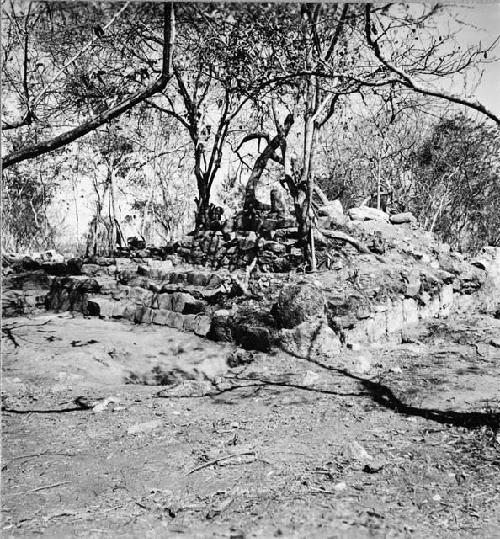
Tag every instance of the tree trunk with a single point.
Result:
(113, 229)
(306, 236)
(202, 204)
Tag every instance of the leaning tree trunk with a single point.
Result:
(276, 143)
(258, 169)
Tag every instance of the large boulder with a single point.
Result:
(299, 303)
(365, 213)
(332, 213)
(488, 261)
(401, 218)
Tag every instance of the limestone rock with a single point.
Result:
(101, 306)
(143, 315)
(310, 339)
(401, 218)
(202, 325)
(365, 213)
(160, 317)
(412, 287)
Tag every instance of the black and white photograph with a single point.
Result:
(250, 270)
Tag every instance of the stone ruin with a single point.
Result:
(384, 276)
(261, 232)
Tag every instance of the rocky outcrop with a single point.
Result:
(300, 302)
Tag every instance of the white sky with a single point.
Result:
(484, 21)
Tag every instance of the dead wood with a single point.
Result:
(220, 459)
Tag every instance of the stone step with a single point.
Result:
(105, 307)
(19, 302)
(150, 276)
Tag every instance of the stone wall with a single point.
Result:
(215, 249)
(366, 300)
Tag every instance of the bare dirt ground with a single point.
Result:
(276, 447)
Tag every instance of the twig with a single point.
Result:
(220, 459)
(42, 488)
(43, 453)
(29, 455)
(48, 486)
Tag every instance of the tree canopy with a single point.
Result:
(281, 82)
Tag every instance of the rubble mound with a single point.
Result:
(377, 281)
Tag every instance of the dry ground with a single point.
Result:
(285, 431)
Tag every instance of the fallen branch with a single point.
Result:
(10, 336)
(220, 459)
(333, 492)
(338, 235)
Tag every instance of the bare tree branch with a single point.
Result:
(159, 85)
(253, 136)
(338, 30)
(407, 81)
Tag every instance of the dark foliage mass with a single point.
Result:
(457, 188)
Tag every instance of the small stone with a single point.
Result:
(202, 326)
(373, 466)
(358, 452)
(341, 486)
(143, 428)
(311, 378)
(100, 406)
